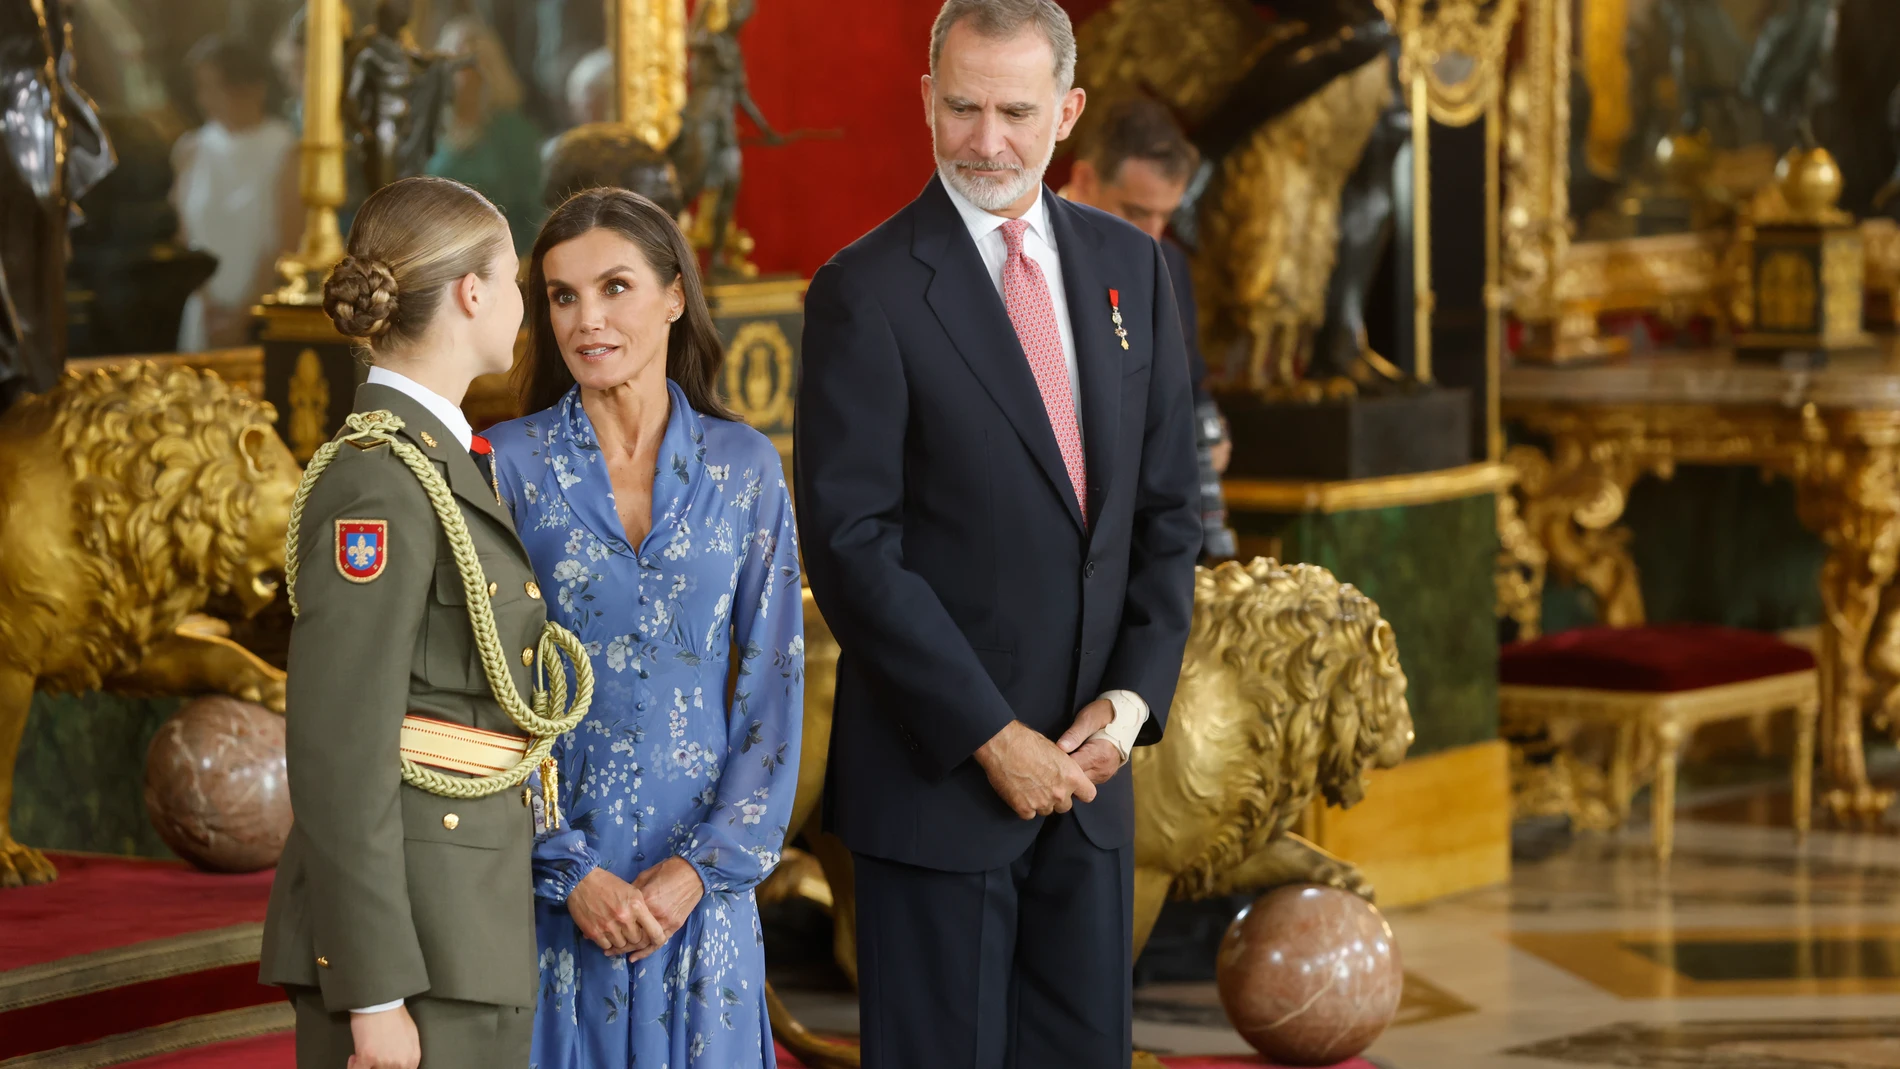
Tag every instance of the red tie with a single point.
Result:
(1026, 295)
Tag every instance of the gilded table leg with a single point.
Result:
(1850, 494)
(1804, 717)
(1622, 762)
(1571, 501)
(1663, 794)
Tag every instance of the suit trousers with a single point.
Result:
(1028, 966)
(454, 1034)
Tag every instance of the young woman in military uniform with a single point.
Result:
(425, 681)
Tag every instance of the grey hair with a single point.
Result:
(1003, 19)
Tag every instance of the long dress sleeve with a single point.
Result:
(739, 842)
(562, 856)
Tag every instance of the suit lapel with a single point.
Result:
(1098, 359)
(465, 479)
(972, 314)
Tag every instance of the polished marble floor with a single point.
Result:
(1750, 951)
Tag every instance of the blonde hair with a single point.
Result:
(409, 240)
(466, 35)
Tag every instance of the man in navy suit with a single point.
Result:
(997, 504)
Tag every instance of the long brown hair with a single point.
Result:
(693, 349)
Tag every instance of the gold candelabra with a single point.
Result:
(320, 178)
(649, 47)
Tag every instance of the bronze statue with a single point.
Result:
(113, 546)
(394, 101)
(610, 154)
(706, 152)
(1368, 206)
(1291, 691)
(55, 151)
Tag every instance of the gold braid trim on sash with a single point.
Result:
(375, 428)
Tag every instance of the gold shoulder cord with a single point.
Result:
(377, 428)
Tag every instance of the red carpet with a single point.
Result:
(153, 965)
(274, 1052)
(123, 958)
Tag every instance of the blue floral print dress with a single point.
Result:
(662, 765)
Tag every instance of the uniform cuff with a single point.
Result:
(383, 1008)
(1131, 712)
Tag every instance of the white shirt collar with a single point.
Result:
(439, 406)
(982, 224)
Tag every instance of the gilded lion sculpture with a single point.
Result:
(129, 498)
(1290, 690)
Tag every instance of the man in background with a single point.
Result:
(1137, 166)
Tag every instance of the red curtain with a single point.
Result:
(848, 71)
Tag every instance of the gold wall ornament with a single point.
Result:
(309, 406)
(1455, 48)
(1786, 292)
(320, 156)
(1291, 692)
(136, 495)
(758, 374)
(648, 38)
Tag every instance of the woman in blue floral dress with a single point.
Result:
(661, 532)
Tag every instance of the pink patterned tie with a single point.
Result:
(1026, 295)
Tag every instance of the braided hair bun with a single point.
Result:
(360, 298)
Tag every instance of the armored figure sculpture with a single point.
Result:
(1789, 71)
(55, 150)
(1706, 59)
(707, 151)
(394, 99)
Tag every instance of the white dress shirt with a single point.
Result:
(451, 416)
(1039, 244)
(439, 406)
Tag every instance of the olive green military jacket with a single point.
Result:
(385, 891)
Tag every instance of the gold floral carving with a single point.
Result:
(1845, 465)
(309, 406)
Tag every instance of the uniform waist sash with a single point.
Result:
(453, 747)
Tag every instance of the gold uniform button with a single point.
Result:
(527, 657)
(534, 592)
(451, 821)
(527, 793)
(493, 589)
(323, 962)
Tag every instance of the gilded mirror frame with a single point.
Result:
(1558, 288)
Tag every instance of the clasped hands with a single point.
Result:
(1036, 777)
(635, 919)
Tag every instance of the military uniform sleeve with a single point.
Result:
(351, 654)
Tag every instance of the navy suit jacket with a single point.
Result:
(942, 539)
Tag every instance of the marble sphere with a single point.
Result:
(1309, 975)
(215, 786)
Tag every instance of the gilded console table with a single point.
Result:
(1835, 432)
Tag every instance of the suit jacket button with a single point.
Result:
(323, 962)
(527, 658)
(451, 821)
(1088, 570)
